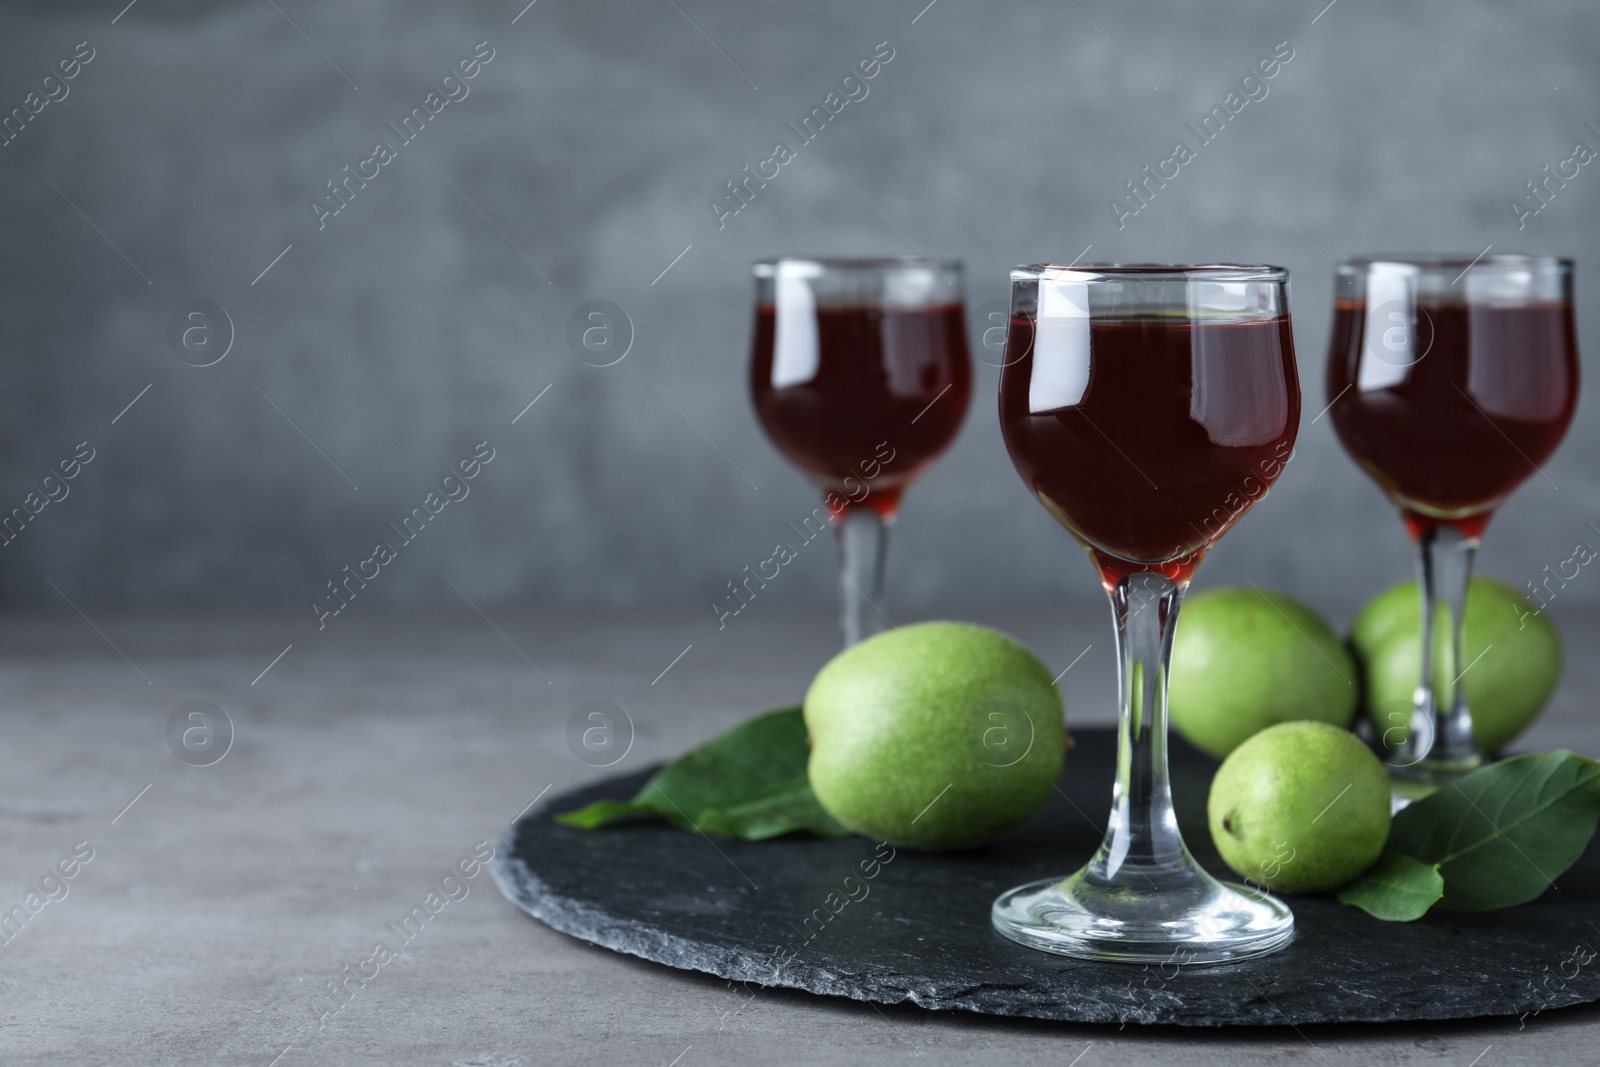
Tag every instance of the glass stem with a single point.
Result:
(863, 543)
(1441, 725)
(1142, 835)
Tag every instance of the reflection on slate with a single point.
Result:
(851, 918)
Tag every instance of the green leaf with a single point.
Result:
(780, 813)
(1397, 888)
(601, 812)
(748, 783)
(1502, 834)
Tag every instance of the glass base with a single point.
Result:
(1416, 780)
(1183, 917)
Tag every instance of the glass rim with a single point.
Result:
(1207, 272)
(1451, 261)
(813, 266)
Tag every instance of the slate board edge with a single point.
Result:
(587, 923)
(578, 919)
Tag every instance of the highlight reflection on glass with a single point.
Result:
(860, 375)
(1147, 408)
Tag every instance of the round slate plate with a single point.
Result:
(852, 918)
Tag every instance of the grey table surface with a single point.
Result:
(375, 755)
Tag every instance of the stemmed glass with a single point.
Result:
(860, 374)
(1450, 380)
(1147, 408)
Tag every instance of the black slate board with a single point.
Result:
(919, 930)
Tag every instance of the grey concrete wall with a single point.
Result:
(424, 316)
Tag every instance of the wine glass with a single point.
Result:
(1451, 379)
(860, 375)
(1147, 408)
